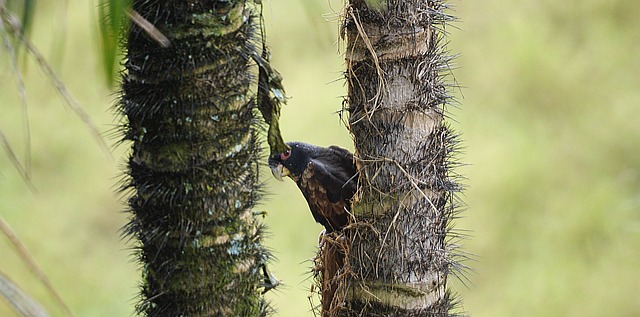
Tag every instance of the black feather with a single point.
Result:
(326, 178)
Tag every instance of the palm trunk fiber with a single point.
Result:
(194, 161)
(398, 250)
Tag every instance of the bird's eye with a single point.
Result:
(285, 155)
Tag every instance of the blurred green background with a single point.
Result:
(548, 112)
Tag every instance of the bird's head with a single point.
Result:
(292, 162)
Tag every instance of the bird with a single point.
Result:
(326, 176)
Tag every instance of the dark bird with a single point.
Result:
(326, 177)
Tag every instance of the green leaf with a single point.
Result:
(112, 23)
(20, 13)
(28, 8)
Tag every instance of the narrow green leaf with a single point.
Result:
(28, 8)
(112, 23)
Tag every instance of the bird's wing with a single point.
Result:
(328, 183)
(320, 190)
(339, 167)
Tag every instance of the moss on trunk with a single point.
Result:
(194, 161)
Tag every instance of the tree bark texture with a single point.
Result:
(400, 253)
(194, 162)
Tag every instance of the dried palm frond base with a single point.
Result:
(331, 272)
(344, 293)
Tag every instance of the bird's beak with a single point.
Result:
(279, 171)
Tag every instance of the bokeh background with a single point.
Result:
(549, 114)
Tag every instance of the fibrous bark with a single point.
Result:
(194, 162)
(399, 250)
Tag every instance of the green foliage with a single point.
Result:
(25, 10)
(270, 98)
(113, 22)
(550, 122)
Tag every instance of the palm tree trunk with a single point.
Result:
(398, 258)
(194, 161)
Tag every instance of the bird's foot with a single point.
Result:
(321, 240)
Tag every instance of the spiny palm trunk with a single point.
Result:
(398, 259)
(194, 160)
